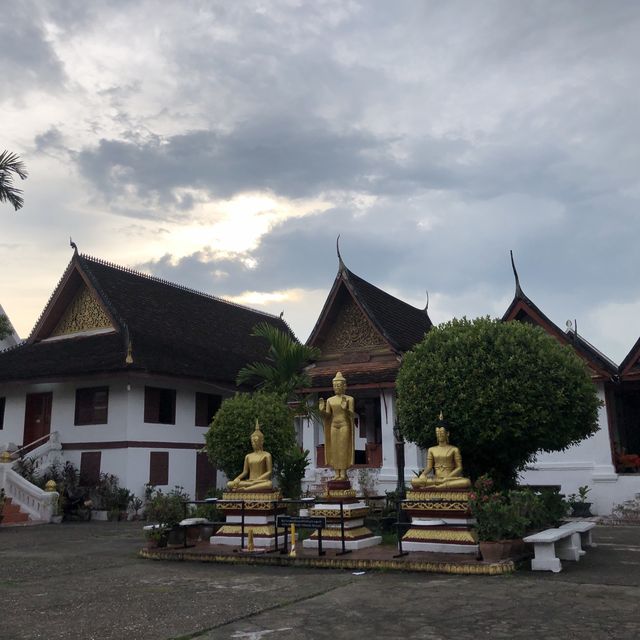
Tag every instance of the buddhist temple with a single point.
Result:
(362, 331)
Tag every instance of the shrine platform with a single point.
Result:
(380, 557)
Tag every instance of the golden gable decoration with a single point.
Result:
(351, 330)
(84, 313)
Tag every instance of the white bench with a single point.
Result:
(583, 527)
(546, 544)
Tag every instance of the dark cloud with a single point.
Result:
(442, 134)
(28, 59)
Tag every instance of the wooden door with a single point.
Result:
(37, 416)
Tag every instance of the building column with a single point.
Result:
(388, 472)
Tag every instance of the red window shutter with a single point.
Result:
(206, 475)
(90, 467)
(151, 404)
(159, 468)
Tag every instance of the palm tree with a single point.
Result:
(10, 163)
(282, 373)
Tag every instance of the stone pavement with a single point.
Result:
(85, 581)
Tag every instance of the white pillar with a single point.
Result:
(388, 472)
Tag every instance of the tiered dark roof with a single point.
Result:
(630, 366)
(168, 329)
(524, 310)
(401, 325)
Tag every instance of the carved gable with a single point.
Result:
(351, 331)
(84, 313)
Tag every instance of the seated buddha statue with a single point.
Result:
(256, 473)
(444, 465)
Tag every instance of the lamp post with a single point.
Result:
(399, 441)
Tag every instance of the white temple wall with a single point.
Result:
(586, 463)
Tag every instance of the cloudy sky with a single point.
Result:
(225, 145)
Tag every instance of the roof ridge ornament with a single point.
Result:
(341, 265)
(73, 245)
(519, 292)
(426, 306)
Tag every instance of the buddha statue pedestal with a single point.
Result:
(442, 525)
(259, 517)
(356, 535)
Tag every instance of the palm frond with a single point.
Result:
(285, 359)
(10, 164)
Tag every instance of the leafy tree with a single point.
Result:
(5, 328)
(228, 438)
(282, 373)
(508, 390)
(11, 164)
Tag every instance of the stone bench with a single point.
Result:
(553, 545)
(582, 527)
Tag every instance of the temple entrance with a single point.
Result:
(627, 418)
(37, 416)
(368, 450)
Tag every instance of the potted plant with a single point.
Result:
(499, 520)
(580, 508)
(156, 535)
(166, 509)
(135, 503)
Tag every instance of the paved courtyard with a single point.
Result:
(84, 580)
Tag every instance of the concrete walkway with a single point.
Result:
(85, 581)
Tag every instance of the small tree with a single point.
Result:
(508, 390)
(228, 438)
(5, 327)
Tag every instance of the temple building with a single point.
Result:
(363, 332)
(123, 372)
(595, 462)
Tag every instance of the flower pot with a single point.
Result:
(495, 551)
(581, 510)
(206, 531)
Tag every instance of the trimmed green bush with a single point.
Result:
(228, 438)
(508, 390)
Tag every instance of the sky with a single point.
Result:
(225, 145)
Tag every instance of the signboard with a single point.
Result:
(308, 522)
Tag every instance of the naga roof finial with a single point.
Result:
(73, 245)
(341, 265)
(515, 274)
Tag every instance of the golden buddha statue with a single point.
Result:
(257, 466)
(338, 418)
(445, 462)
